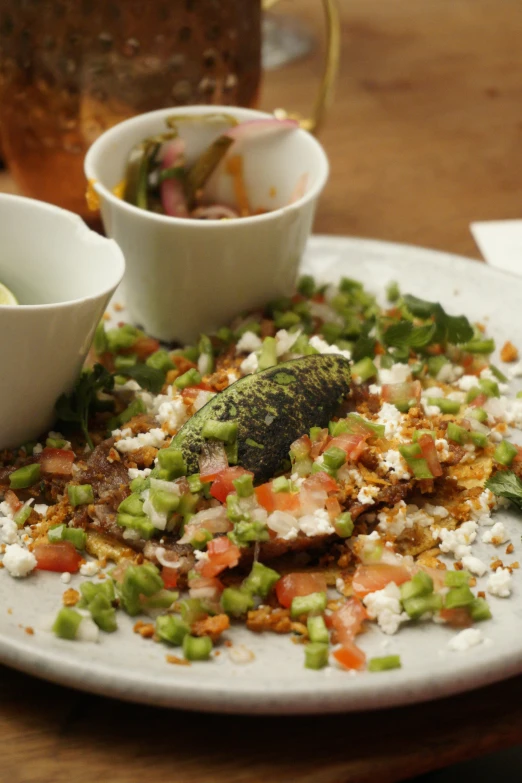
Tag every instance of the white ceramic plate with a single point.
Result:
(126, 666)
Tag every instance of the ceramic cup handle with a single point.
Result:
(330, 70)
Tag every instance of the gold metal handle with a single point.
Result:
(331, 67)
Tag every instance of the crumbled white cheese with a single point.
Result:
(41, 508)
(443, 451)
(392, 418)
(481, 507)
(449, 373)
(322, 346)
(18, 561)
(397, 373)
(367, 494)
(87, 631)
(250, 364)
(8, 531)
(317, 524)
(499, 583)
(467, 382)
(474, 565)
(248, 342)
(496, 535)
(135, 473)
(204, 364)
(202, 397)
(172, 412)
(154, 437)
(65, 577)
(394, 462)
(285, 340)
(394, 520)
(385, 607)
(436, 511)
(457, 542)
(284, 524)
(373, 388)
(467, 638)
(515, 371)
(200, 555)
(37, 449)
(90, 568)
(240, 654)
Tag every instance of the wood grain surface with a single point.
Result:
(425, 135)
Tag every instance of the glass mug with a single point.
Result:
(70, 69)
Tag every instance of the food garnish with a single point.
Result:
(314, 467)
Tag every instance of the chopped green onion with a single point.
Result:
(201, 538)
(268, 354)
(100, 343)
(122, 363)
(206, 352)
(334, 458)
(505, 453)
(62, 532)
(140, 523)
(261, 580)
(478, 439)
(498, 374)
(457, 578)
(246, 532)
(163, 599)
(244, 485)
(23, 515)
(197, 648)
(220, 430)
(356, 422)
(444, 405)
(416, 607)
(25, 477)
(80, 494)
(163, 501)
(456, 433)
(316, 655)
(344, 525)
(314, 603)
(306, 286)
(421, 584)
(171, 460)
(479, 610)
(479, 414)
(192, 610)
(67, 622)
(136, 407)
(171, 629)
(90, 590)
(479, 346)
(286, 320)
(489, 388)
(103, 613)
(317, 630)
(435, 365)
(189, 378)
(55, 443)
(160, 360)
(385, 663)
(281, 484)
(132, 504)
(363, 370)
(412, 453)
(393, 291)
(236, 601)
(137, 581)
(458, 596)
(419, 433)
(122, 337)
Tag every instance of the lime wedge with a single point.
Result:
(6, 297)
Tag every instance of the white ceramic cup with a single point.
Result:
(63, 275)
(186, 276)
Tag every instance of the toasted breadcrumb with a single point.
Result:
(177, 661)
(71, 597)
(508, 352)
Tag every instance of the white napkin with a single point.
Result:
(500, 242)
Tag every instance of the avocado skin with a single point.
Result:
(298, 394)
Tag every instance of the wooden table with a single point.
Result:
(425, 135)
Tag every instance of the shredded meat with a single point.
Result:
(211, 626)
(267, 619)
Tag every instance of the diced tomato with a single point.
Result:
(457, 618)
(318, 298)
(61, 557)
(429, 452)
(170, 577)
(321, 480)
(222, 554)
(369, 578)
(277, 501)
(320, 442)
(349, 656)
(347, 620)
(517, 457)
(408, 392)
(334, 508)
(479, 401)
(353, 444)
(190, 393)
(144, 347)
(300, 448)
(222, 484)
(293, 585)
(213, 460)
(12, 501)
(58, 462)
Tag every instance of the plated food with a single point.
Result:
(228, 493)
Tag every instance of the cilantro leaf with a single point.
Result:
(74, 408)
(404, 335)
(506, 484)
(364, 346)
(150, 378)
(455, 329)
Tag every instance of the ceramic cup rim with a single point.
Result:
(111, 135)
(84, 235)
